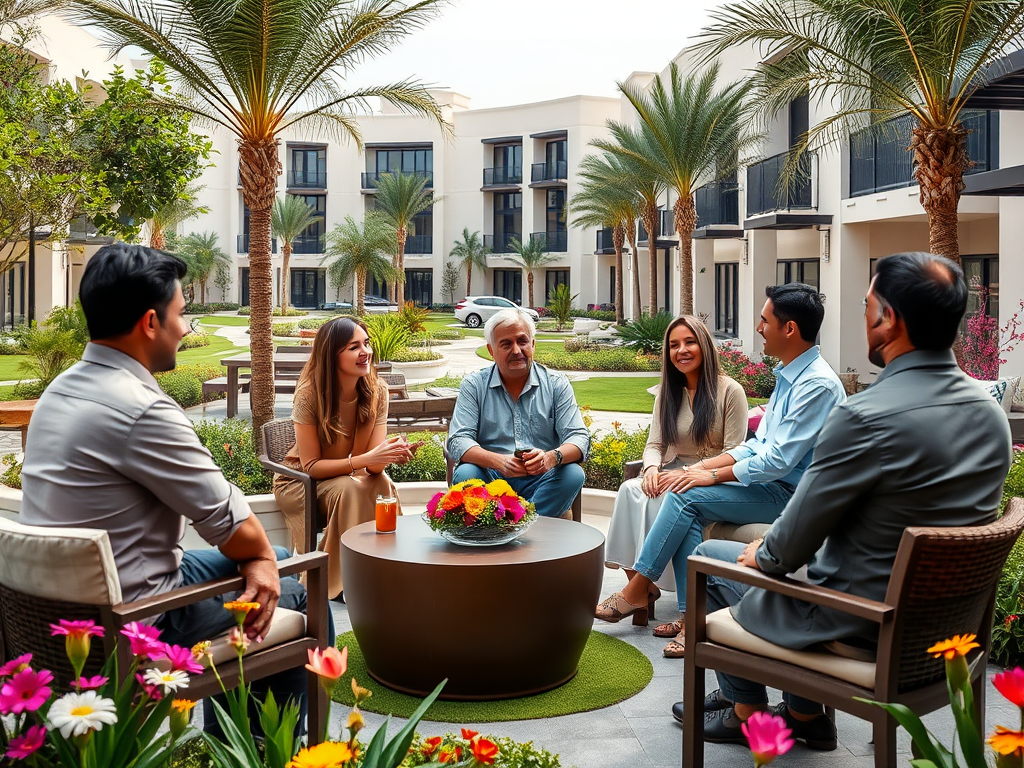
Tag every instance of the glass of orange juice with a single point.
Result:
(386, 514)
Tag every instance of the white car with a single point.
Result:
(474, 311)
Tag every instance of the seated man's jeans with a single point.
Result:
(208, 618)
(679, 527)
(552, 493)
(723, 593)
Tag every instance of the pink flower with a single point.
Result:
(26, 691)
(1011, 684)
(433, 503)
(77, 629)
(153, 691)
(144, 639)
(329, 665)
(513, 507)
(16, 665)
(90, 683)
(22, 746)
(181, 659)
(768, 737)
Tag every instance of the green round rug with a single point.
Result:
(610, 671)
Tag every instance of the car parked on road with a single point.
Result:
(474, 311)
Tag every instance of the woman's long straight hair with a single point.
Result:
(673, 386)
(321, 373)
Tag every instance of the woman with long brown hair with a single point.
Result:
(698, 413)
(340, 413)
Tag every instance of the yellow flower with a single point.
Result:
(1006, 742)
(241, 609)
(181, 713)
(361, 694)
(182, 705)
(471, 483)
(475, 506)
(959, 645)
(500, 487)
(330, 754)
(201, 651)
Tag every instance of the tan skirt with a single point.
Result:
(345, 501)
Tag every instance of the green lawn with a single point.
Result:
(218, 321)
(482, 351)
(613, 393)
(218, 349)
(9, 367)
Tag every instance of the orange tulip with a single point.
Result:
(468, 735)
(484, 750)
(329, 665)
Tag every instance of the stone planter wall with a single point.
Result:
(424, 371)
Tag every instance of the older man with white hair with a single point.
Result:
(519, 421)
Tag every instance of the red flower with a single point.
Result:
(430, 746)
(1011, 618)
(484, 750)
(452, 755)
(469, 519)
(1011, 684)
(468, 735)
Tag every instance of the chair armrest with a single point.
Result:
(281, 469)
(861, 607)
(631, 469)
(182, 596)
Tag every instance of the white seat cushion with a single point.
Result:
(725, 630)
(286, 625)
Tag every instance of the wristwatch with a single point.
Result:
(714, 475)
(558, 457)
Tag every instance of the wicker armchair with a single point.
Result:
(47, 574)
(943, 583)
(278, 439)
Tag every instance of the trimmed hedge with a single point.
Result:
(613, 359)
(292, 312)
(185, 383)
(230, 442)
(205, 309)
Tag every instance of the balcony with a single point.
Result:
(307, 179)
(503, 176)
(718, 203)
(666, 232)
(308, 244)
(880, 160)
(242, 244)
(419, 244)
(765, 193)
(500, 243)
(551, 242)
(370, 178)
(549, 174)
(605, 241)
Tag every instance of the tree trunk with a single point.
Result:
(685, 213)
(940, 157)
(158, 239)
(360, 291)
(618, 240)
(202, 292)
(650, 221)
(529, 283)
(469, 278)
(259, 168)
(403, 234)
(635, 261)
(286, 251)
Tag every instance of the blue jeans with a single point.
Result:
(552, 493)
(207, 619)
(679, 527)
(723, 593)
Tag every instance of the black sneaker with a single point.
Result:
(819, 733)
(723, 727)
(713, 702)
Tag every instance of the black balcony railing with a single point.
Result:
(307, 244)
(605, 240)
(768, 189)
(502, 175)
(369, 178)
(718, 203)
(666, 224)
(557, 171)
(552, 242)
(307, 179)
(243, 244)
(880, 158)
(500, 243)
(419, 244)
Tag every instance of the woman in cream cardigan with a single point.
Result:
(698, 412)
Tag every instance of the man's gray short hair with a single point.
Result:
(508, 317)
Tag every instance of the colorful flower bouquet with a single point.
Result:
(477, 514)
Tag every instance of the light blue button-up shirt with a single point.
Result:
(545, 416)
(806, 390)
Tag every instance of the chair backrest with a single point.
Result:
(278, 438)
(392, 379)
(291, 348)
(943, 583)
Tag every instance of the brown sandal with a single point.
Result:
(616, 608)
(669, 629)
(676, 649)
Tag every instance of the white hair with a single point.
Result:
(508, 317)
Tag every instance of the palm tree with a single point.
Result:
(355, 251)
(290, 217)
(399, 198)
(171, 214)
(606, 199)
(875, 60)
(690, 134)
(531, 255)
(257, 68)
(202, 254)
(471, 252)
(18, 12)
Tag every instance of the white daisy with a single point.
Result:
(169, 681)
(75, 714)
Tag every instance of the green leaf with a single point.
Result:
(927, 744)
(395, 752)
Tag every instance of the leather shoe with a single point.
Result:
(713, 702)
(723, 727)
(819, 733)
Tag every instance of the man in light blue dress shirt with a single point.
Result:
(752, 482)
(518, 421)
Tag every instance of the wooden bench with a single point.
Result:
(16, 414)
(431, 414)
(220, 384)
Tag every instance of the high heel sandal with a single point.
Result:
(616, 608)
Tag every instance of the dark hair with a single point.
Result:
(928, 292)
(321, 373)
(122, 282)
(800, 303)
(673, 383)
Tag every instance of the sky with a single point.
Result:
(519, 51)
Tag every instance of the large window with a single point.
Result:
(419, 287)
(982, 272)
(508, 220)
(308, 167)
(309, 241)
(555, 152)
(509, 157)
(509, 283)
(406, 161)
(421, 234)
(12, 296)
(727, 297)
(555, 221)
(802, 271)
(552, 279)
(309, 287)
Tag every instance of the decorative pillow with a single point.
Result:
(1003, 390)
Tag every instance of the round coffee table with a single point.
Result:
(498, 622)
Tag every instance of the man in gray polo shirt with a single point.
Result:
(107, 449)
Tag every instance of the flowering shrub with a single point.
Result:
(981, 347)
(603, 467)
(484, 750)
(474, 504)
(756, 379)
(1007, 624)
